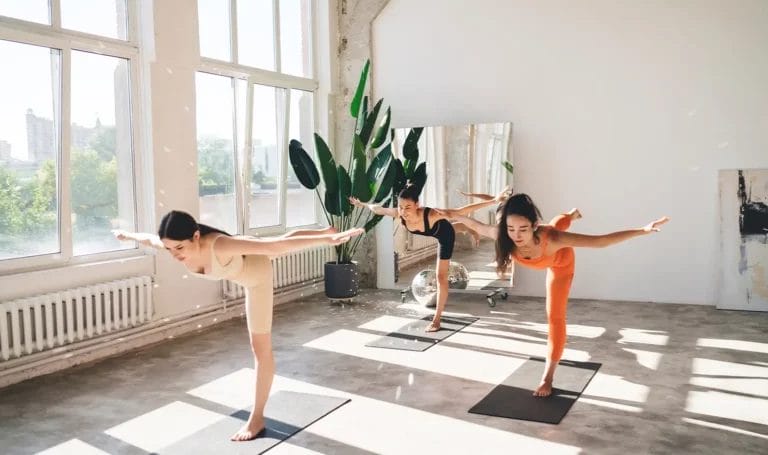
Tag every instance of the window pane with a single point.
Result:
(265, 159)
(300, 204)
(28, 10)
(256, 33)
(99, 17)
(295, 37)
(29, 150)
(216, 151)
(213, 17)
(101, 153)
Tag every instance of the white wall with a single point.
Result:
(625, 109)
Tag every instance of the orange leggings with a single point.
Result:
(559, 279)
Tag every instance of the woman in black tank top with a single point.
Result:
(429, 222)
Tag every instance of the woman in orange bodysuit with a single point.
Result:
(521, 238)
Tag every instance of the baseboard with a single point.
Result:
(110, 345)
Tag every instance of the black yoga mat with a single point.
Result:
(514, 398)
(412, 337)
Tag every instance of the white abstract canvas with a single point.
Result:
(744, 239)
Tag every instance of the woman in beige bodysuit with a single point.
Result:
(211, 253)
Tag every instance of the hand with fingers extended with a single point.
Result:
(345, 236)
(356, 202)
(122, 235)
(504, 194)
(654, 225)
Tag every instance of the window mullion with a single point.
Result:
(55, 10)
(278, 47)
(245, 188)
(240, 162)
(64, 170)
(284, 120)
(233, 51)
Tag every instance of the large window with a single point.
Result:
(255, 92)
(66, 130)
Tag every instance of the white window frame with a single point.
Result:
(278, 80)
(55, 37)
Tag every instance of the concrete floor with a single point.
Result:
(675, 379)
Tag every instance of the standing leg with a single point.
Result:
(442, 293)
(261, 345)
(558, 288)
(258, 310)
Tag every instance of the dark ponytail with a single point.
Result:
(178, 225)
(410, 192)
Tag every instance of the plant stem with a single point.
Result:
(325, 212)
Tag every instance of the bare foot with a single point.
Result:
(251, 430)
(543, 390)
(574, 214)
(433, 327)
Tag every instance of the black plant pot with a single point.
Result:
(341, 280)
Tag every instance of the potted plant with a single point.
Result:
(377, 181)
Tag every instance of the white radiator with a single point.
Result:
(299, 267)
(34, 324)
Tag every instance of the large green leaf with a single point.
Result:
(302, 165)
(370, 122)
(399, 183)
(379, 163)
(420, 176)
(409, 167)
(372, 222)
(385, 187)
(327, 164)
(332, 202)
(345, 191)
(360, 188)
(411, 145)
(354, 106)
(381, 133)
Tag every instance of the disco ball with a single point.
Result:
(424, 284)
(424, 288)
(458, 276)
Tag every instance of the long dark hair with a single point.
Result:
(178, 225)
(522, 205)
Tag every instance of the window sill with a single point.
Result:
(41, 281)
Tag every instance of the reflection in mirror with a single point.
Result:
(474, 159)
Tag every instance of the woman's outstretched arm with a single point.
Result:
(469, 208)
(564, 239)
(276, 246)
(486, 230)
(144, 238)
(377, 209)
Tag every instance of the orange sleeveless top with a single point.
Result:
(563, 258)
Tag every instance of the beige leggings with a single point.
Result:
(256, 278)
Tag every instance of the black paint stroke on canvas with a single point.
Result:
(753, 215)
